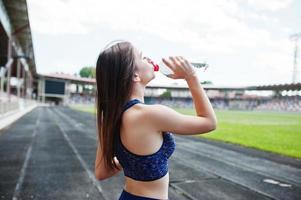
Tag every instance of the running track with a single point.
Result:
(49, 154)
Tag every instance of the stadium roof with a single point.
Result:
(175, 86)
(16, 23)
(290, 86)
(69, 77)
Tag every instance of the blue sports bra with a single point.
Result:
(145, 167)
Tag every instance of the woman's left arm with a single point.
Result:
(101, 173)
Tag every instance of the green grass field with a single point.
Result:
(270, 131)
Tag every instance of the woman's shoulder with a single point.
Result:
(140, 113)
(146, 113)
(136, 114)
(144, 109)
(155, 109)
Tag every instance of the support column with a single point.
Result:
(28, 88)
(9, 56)
(2, 80)
(31, 86)
(24, 83)
(18, 77)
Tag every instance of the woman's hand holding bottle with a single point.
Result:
(181, 68)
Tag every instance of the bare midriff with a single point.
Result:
(157, 189)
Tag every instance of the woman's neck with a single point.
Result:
(138, 92)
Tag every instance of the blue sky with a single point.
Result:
(245, 42)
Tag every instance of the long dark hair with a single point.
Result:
(115, 69)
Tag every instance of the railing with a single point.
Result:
(14, 104)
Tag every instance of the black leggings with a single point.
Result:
(128, 196)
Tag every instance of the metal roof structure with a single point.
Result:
(279, 87)
(15, 21)
(288, 86)
(69, 77)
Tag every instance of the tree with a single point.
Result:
(87, 72)
(166, 94)
(207, 82)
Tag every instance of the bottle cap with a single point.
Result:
(156, 67)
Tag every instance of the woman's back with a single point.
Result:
(143, 153)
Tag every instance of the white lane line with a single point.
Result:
(227, 161)
(27, 157)
(82, 162)
(79, 126)
(235, 180)
(281, 171)
(182, 192)
(91, 134)
(272, 181)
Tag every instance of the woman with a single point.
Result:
(135, 137)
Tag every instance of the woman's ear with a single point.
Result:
(136, 77)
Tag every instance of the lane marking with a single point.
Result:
(78, 156)
(182, 192)
(242, 166)
(79, 126)
(27, 157)
(271, 181)
(231, 156)
(285, 185)
(232, 180)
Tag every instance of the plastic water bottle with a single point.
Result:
(167, 71)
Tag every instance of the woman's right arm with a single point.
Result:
(164, 118)
(201, 101)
